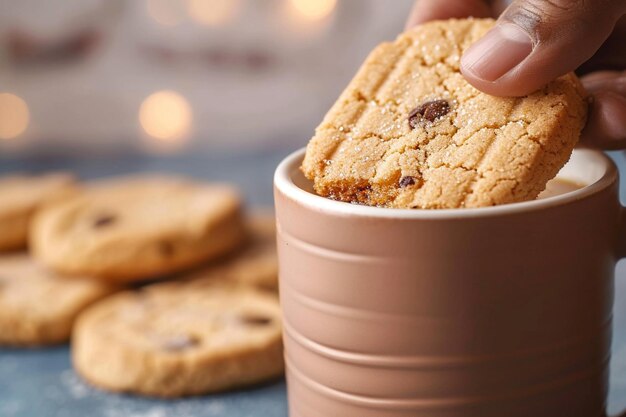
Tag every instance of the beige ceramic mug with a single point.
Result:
(490, 312)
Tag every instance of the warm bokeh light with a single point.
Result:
(314, 9)
(166, 115)
(14, 116)
(166, 12)
(213, 12)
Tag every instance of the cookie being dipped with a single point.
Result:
(410, 132)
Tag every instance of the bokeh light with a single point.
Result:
(14, 116)
(166, 116)
(314, 9)
(166, 12)
(213, 12)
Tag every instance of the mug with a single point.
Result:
(486, 312)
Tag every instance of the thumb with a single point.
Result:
(535, 41)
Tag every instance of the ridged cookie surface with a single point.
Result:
(179, 339)
(134, 228)
(410, 132)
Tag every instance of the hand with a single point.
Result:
(536, 41)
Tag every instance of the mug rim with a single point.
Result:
(284, 184)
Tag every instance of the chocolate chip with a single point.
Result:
(104, 220)
(429, 111)
(406, 181)
(255, 320)
(166, 248)
(179, 343)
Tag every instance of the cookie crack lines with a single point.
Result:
(471, 187)
(373, 83)
(376, 100)
(500, 181)
(409, 131)
(464, 32)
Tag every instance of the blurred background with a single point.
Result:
(97, 77)
(217, 89)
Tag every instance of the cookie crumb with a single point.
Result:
(104, 220)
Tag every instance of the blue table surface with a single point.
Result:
(41, 382)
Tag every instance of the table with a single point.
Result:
(41, 383)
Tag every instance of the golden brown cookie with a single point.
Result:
(38, 307)
(180, 339)
(410, 132)
(255, 264)
(134, 228)
(21, 196)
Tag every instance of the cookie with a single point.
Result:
(255, 264)
(21, 196)
(136, 228)
(38, 307)
(180, 339)
(410, 132)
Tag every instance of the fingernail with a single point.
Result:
(498, 52)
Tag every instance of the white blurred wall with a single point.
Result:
(245, 73)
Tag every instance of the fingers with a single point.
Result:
(606, 126)
(536, 41)
(425, 10)
(612, 53)
(604, 81)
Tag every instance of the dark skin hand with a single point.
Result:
(536, 41)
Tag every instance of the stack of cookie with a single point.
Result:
(95, 251)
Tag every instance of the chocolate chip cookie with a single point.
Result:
(255, 264)
(38, 307)
(179, 339)
(134, 228)
(410, 132)
(21, 196)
